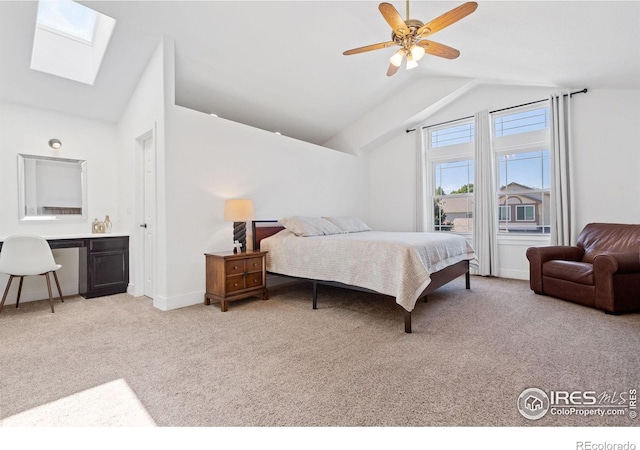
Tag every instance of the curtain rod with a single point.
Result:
(583, 91)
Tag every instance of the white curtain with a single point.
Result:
(560, 168)
(424, 215)
(484, 209)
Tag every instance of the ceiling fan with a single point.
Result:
(409, 35)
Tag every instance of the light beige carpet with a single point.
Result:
(280, 363)
(111, 404)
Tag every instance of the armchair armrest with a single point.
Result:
(564, 252)
(539, 255)
(617, 262)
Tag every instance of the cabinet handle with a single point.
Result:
(235, 267)
(255, 264)
(235, 285)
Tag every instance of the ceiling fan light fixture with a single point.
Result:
(408, 34)
(411, 62)
(396, 59)
(417, 52)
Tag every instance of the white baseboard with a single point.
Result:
(514, 274)
(34, 295)
(195, 298)
(182, 301)
(131, 290)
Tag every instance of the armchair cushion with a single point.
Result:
(577, 272)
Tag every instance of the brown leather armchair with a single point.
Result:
(602, 271)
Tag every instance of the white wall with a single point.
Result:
(211, 159)
(606, 138)
(392, 184)
(203, 160)
(144, 115)
(27, 130)
(407, 106)
(606, 162)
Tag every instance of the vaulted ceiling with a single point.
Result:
(278, 65)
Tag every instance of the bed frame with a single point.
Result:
(264, 228)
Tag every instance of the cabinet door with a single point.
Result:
(108, 270)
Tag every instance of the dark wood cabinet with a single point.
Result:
(104, 266)
(234, 276)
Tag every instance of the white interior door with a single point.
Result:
(148, 224)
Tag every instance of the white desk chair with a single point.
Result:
(25, 255)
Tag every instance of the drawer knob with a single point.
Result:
(255, 264)
(235, 267)
(235, 284)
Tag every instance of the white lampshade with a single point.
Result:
(417, 52)
(396, 59)
(238, 210)
(411, 63)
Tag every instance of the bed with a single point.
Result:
(406, 266)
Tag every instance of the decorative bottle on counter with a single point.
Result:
(95, 226)
(107, 224)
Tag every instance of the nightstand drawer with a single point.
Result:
(253, 279)
(254, 265)
(235, 283)
(234, 267)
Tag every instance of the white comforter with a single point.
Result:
(392, 263)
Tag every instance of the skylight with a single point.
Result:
(70, 40)
(69, 18)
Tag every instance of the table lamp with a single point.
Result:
(239, 211)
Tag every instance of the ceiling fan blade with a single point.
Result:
(447, 18)
(392, 70)
(368, 48)
(393, 18)
(437, 49)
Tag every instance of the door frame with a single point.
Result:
(138, 217)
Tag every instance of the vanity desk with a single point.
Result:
(103, 267)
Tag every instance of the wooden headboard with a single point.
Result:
(263, 229)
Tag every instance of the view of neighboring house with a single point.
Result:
(456, 213)
(520, 209)
(523, 209)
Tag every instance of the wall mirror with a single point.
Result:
(52, 188)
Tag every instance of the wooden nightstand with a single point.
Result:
(234, 276)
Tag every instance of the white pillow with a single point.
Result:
(309, 226)
(349, 224)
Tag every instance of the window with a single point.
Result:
(521, 122)
(504, 213)
(68, 18)
(453, 196)
(521, 143)
(525, 212)
(443, 136)
(70, 40)
(451, 172)
(529, 170)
